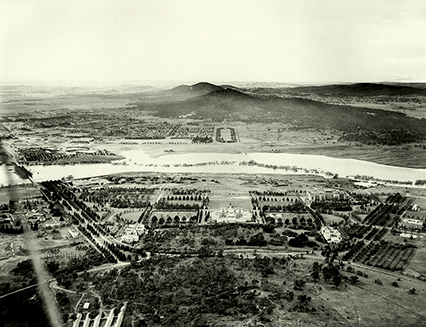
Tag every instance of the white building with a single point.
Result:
(130, 238)
(73, 233)
(326, 195)
(231, 215)
(139, 228)
(331, 234)
(411, 223)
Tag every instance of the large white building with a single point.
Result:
(331, 234)
(326, 195)
(231, 215)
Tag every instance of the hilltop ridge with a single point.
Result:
(362, 89)
(201, 87)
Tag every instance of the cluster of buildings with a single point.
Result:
(411, 223)
(414, 221)
(132, 233)
(112, 319)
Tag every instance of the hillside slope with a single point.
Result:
(358, 124)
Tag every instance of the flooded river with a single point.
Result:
(139, 161)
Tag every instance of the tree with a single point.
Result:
(315, 275)
(330, 271)
(303, 299)
(289, 295)
(412, 291)
(337, 279)
(204, 252)
(267, 271)
(52, 266)
(62, 298)
(257, 239)
(354, 279)
(298, 284)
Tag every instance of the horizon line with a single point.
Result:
(141, 82)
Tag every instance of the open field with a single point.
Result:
(21, 192)
(132, 216)
(223, 201)
(330, 219)
(25, 104)
(417, 266)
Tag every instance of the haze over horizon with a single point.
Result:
(285, 41)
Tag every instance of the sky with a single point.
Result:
(288, 41)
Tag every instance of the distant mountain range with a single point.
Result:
(364, 89)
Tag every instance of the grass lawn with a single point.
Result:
(329, 219)
(133, 216)
(223, 201)
(22, 192)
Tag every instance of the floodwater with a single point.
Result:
(139, 161)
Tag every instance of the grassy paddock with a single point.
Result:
(133, 216)
(22, 192)
(329, 219)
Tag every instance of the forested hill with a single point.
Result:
(357, 124)
(362, 89)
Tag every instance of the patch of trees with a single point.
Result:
(67, 273)
(184, 198)
(354, 249)
(255, 240)
(182, 191)
(163, 204)
(301, 240)
(24, 269)
(41, 155)
(358, 231)
(268, 193)
(180, 291)
(297, 207)
(11, 228)
(202, 139)
(119, 197)
(89, 232)
(25, 308)
(383, 255)
(383, 136)
(384, 215)
(376, 234)
(330, 206)
(277, 240)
